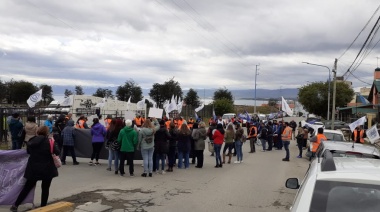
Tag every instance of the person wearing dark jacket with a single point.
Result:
(263, 136)
(184, 146)
(68, 140)
(173, 131)
(161, 143)
(15, 126)
(40, 166)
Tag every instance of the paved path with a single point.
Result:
(255, 185)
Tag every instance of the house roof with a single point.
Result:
(376, 84)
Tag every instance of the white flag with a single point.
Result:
(172, 106)
(34, 98)
(141, 104)
(128, 103)
(199, 108)
(372, 134)
(68, 101)
(285, 107)
(179, 107)
(358, 122)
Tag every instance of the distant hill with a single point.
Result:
(287, 93)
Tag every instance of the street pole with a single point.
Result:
(329, 91)
(334, 95)
(255, 88)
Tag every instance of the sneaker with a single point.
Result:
(285, 159)
(263, 150)
(90, 163)
(299, 156)
(75, 163)
(163, 172)
(241, 161)
(108, 169)
(237, 162)
(13, 208)
(97, 163)
(150, 175)
(143, 175)
(131, 175)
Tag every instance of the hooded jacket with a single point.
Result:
(128, 139)
(15, 126)
(147, 132)
(30, 130)
(40, 164)
(161, 140)
(98, 132)
(199, 136)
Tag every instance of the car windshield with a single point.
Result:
(333, 136)
(350, 154)
(332, 196)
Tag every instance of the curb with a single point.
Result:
(56, 207)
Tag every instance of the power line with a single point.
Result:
(365, 26)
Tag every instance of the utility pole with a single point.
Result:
(255, 87)
(334, 95)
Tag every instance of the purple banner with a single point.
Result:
(12, 168)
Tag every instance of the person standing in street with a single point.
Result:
(270, 136)
(146, 144)
(184, 146)
(173, 131)
(286, 136)
(239, 143)
(40, 166)
(358, 135)
(218, 137)
(68, 139)
(49, 123)
(316, 140)
(98, 133)
(280, 129)
(113, 153)
(300, 138)
(15, 127)
(161, 143)
(293, 125)
(128, 140)
(252, 136)
(263, 136)
(31, 128)
(199, 136)
(228, 142)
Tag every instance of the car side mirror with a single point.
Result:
(292, 183)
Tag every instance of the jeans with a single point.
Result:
(263, 143)
(15, 144)
(29, 185)
(181, 156)
(239, 151)
(279, 143)
(160, 157)
(66, 149)
(217, 148)
(286, 146)
(270, 143)
(147, 155)
(171, 156)
(113, 155)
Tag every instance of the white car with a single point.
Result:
(334, 135)
(347, 149)
(338, 184)
(226, 118)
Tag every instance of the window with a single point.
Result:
(333, 196)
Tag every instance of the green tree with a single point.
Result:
(101, 92)
(223, 106)
(129, 89)
(79, 90)
(314, 97)
(223, 93)
(192, 98)
(3, 89)
(162, 92)
(47, 94)
(18, 92)
(67, 93)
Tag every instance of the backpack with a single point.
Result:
(148, 138)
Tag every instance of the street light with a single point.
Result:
(328, 95)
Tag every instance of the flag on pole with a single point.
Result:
(196, 115)
(213, 114)
(128, 103)
(285, 107)
(248, 116)
(141, 104)
(199, 108)
(372, 134)
(68, 101)
(179, 107)
(34, 98)
(358, 122)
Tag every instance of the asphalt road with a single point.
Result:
(257, 184)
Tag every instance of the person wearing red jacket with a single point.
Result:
(218, 136)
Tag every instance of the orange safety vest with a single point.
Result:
(361, 134)
(250, 132)
(287, 134)
(142, 120)
(108, 121)
(138, 121)
(179, 122)
(316, 144)
(80, 124)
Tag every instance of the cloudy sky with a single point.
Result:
(202, 44)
